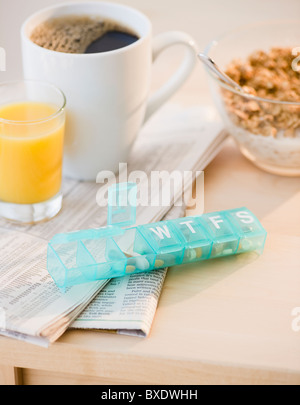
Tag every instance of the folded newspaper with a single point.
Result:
(32, 308)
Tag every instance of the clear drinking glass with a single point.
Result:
(32, 120)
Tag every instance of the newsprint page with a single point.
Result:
(33, 308)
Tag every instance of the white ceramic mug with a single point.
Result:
(107, 93)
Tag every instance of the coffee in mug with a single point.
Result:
(82, 34)
(108, 92)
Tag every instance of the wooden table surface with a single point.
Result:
(220, 322)
(224, 321)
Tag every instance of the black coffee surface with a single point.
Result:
(110, 41)
(82, 34)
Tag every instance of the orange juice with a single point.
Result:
(31, 151)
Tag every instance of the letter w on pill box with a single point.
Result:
(122, 248)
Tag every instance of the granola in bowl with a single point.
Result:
(265, 119)
(267, 125)
(267, 75)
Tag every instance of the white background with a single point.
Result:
(203, 19)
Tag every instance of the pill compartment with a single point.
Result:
(140, 256)
(252, 234)
(108, 258)
(121, 209)
(83, 256)
(197, 242)
(166, 241)
(225, 238)
(62, 262)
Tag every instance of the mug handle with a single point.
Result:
(160, 43)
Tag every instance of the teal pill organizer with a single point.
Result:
(120, 249)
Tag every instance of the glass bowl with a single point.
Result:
(273, 147)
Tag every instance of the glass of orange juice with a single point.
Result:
(32, 121)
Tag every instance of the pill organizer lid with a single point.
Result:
(95, 233)
(122, 204)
